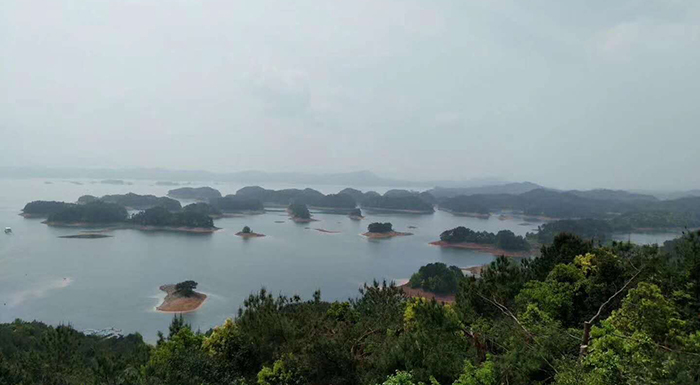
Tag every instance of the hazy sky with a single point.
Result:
(573, 94)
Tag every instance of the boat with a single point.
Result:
(8, 230)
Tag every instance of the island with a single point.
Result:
(160, 219)
(97, 212)
(379, 230)
(100, 213)
(410, 204)
(248, 233)
(141, 202)
(356, 215)
(195, 193)
(332, 203)
(42, 209)
(167, 183)
(204, 208)
(181, 298)
(233, 205)
(299, 213)
(435, 280)
(505, 242)
(465, 206)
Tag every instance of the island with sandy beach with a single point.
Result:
(248, 233)
(181, 298)
(378, 230)
(505, 242)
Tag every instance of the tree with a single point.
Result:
(246, 230)
(186, 288)
(377, 227)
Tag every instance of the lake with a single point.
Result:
(113, 282)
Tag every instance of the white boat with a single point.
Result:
(8, 230)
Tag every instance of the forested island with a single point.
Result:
(623, 210)
(332, 203)
(194, 218)
(181, 298)
(398, 204)
(576, 314)
(42, 209)
(505, 242)
(299, 213)
(195, 193)
(136, 201)
(237, 205)
(379, 230)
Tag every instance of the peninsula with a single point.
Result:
(181, 298)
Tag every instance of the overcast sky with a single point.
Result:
(572, 94)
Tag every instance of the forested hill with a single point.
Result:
(577, 314)
(624, 210)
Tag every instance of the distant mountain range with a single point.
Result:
(356, 178)
(438, 188)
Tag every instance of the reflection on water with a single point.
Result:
(114, 281)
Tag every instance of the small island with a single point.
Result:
(43, 209)
(379, 230)
(248, 233)
(356, 215)
(299, 213)
(181, 298)
(505, 242)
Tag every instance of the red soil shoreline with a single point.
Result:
(481, 247)
(249, 235)
(385, 235)
(420, 293)
(173, 303)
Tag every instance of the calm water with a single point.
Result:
(113, 282)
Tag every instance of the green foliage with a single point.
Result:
(93, 212)
(199, 193)
(596, 229)
(504, 239)
(299, 210)
(246, 230)
(233, 204)
(521, 322)
(45, 207)
(160, 216)
(142, 202)
(34, 353)
(186, 288)
(202, 208)
(437, 278)
(409, 203)
(378, 227)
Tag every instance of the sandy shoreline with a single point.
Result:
(390, 234)
(482, 247)
(173, 303)
(396, 211)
